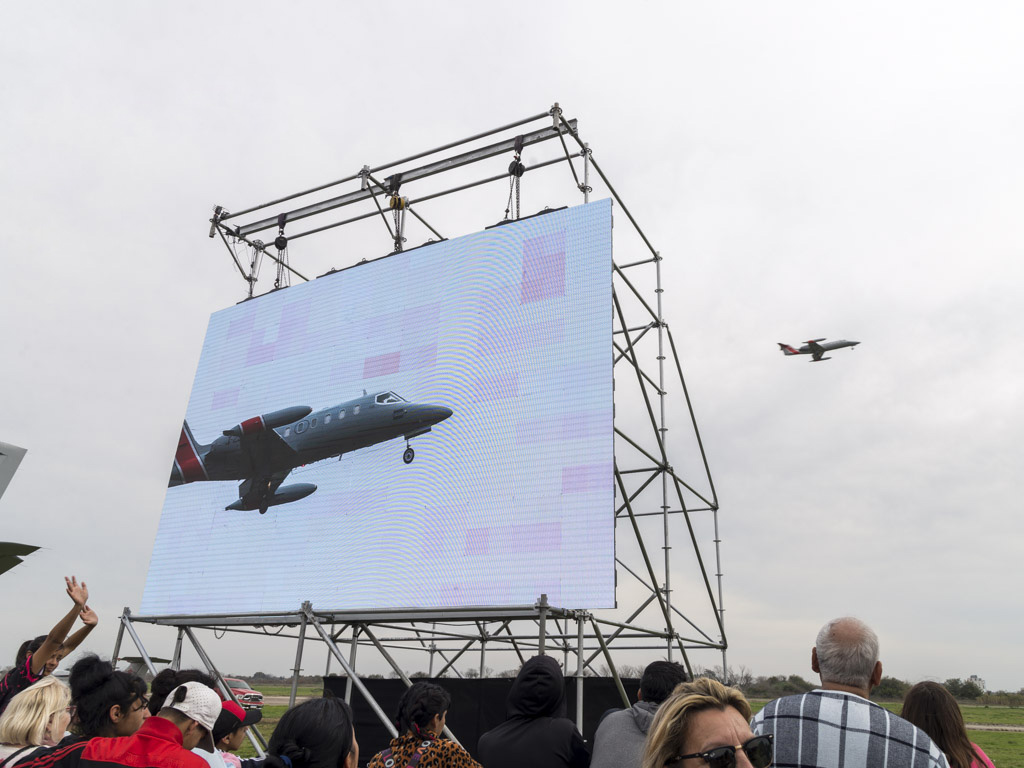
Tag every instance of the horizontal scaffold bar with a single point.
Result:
(422, 172)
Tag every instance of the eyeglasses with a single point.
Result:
(143, 702)
(758, 751)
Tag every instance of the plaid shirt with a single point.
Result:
(833, 729)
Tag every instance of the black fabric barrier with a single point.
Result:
(477, 706)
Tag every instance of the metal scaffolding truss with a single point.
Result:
(668, 603)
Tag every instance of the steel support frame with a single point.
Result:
(647, 485)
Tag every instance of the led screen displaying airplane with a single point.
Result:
(261, 451)
(812, 347)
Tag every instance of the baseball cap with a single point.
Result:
(232, 717)
(200, 703)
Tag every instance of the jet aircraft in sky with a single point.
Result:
(261, 451)
(815, 349)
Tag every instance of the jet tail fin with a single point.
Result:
(786, 349)
(188, 459)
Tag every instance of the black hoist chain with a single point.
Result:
(516, 169)
(397, 206)
(281, 244)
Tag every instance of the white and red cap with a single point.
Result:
(201, 704)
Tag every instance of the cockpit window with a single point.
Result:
(386, 398)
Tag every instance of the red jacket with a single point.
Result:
(157, 744)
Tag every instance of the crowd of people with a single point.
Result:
(107, 717)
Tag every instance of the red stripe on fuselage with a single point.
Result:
(188, 461)
(252, 426)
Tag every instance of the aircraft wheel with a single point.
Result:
(409, 455)
(263, 510)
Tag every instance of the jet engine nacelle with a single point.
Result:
(267, 421)
(284, 495)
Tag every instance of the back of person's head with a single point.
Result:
(27, 648)
(31, 712)
(315, 734)
(194, 708)
(96, 688)
(847, 651)
(660, 679)
(538, 690)
(933, 709)
(671, 724)
(418, 706)
(169, 679)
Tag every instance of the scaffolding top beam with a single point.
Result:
(467, 614)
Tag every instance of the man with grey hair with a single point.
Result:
(835, 726)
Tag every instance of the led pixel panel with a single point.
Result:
(431, 429)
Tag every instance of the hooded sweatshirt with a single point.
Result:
(619, 741)
(536, 733)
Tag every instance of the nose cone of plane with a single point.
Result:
(436, 413)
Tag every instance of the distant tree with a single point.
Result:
(963, 689)
(890, 689)
(740, 676)
(624, 670)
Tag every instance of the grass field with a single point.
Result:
(271, 714)
(1005, 750)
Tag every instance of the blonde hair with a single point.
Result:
(27, 717)
(672, 721)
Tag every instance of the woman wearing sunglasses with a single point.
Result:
(704, 723)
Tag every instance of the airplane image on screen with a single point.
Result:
(815, 349)
(261, 451)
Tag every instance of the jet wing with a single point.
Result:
(256, 491)
(268, 452)
(11, 554)
(816, 349)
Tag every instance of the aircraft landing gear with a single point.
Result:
(409, 455)
(263, 510)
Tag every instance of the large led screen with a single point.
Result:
(430, 429)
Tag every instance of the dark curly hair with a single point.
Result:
(418, 706)
(315, 734)
(96, 687)
(169, 679)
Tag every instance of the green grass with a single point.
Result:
(1005, 750)
(271, 714)
(978, 715)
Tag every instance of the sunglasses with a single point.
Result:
(758, 751)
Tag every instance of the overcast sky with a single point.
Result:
(807, 169)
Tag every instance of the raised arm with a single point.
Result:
(90, 620)
(79, 593)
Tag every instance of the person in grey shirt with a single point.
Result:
(619, 742)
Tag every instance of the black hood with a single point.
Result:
(538, 691)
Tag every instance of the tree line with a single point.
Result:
(889, 689)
